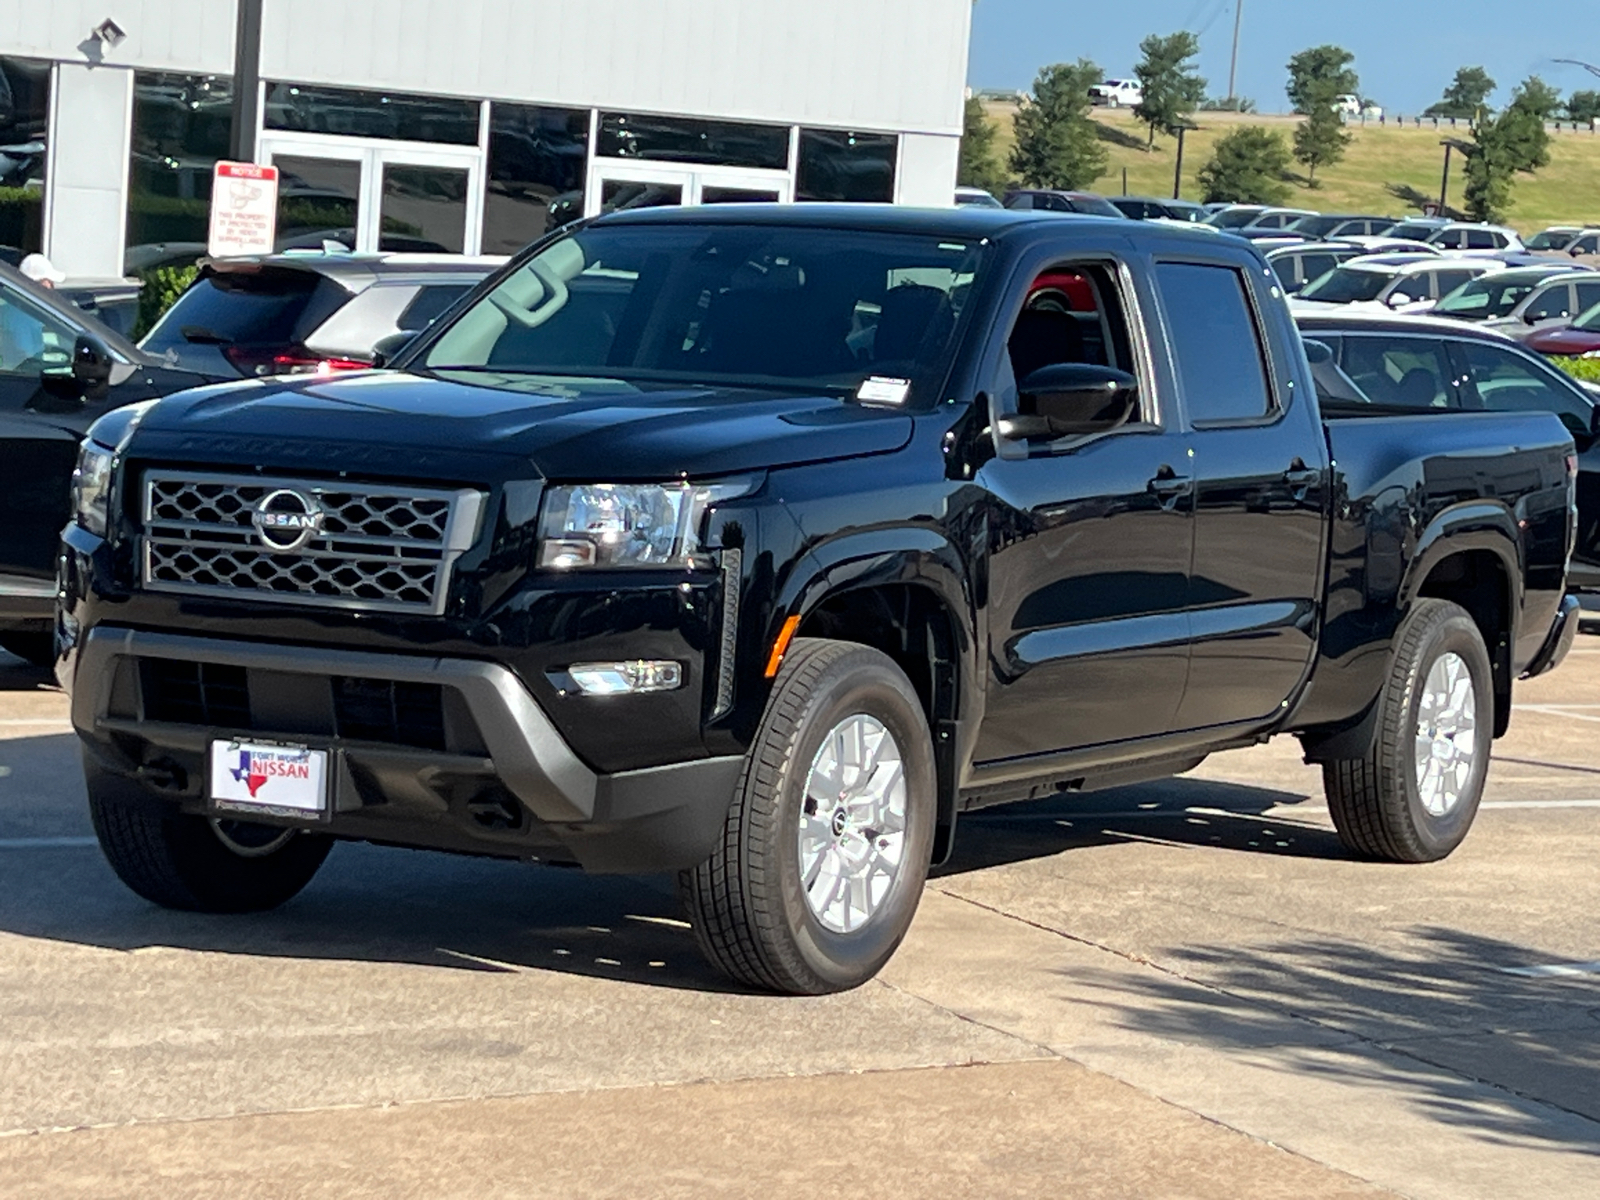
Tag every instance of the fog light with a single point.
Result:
(617, 678)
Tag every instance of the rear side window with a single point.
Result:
(1402, 372)
(1588, 296)
(248, 308)
(1552, 302)
(1480, 239)
(1216, 345)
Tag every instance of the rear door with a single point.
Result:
(1260, 483)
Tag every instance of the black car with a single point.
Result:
(1149, 208)
(60, 371)
(1048, 200)
(759, 542)
(1402, 364)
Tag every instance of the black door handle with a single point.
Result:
(1168, 486)
(1301, 478)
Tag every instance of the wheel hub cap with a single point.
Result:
(852, 833)
(1446, 738)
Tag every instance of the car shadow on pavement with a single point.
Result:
(18, 676)
(1199, 813)
(1441, 1017)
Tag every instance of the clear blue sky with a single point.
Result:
(1405, 52)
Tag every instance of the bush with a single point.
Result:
(162, 287)
(1585, 369)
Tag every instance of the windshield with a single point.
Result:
(1346, 285)
(1487, 296)
(1412, 231)
(1552, 239)
(1588, 320)
(834, 310)
(1233, 218)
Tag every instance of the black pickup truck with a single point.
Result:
(758, 543)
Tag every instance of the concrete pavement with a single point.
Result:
(1185, 988)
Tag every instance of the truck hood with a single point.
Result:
(566, 428)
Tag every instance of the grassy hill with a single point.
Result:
(1385, 170)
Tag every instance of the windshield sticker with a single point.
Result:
(883, 389)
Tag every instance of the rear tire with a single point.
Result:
(1415, 794)
(189, 862)
(36, 649)
(826, 847)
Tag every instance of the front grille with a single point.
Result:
(366, 546)
(191, 693)
(381, 710)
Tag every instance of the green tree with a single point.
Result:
(1320, 140)
(1321, 67)
(1467, 93)
(1247, 167)
(1510, 142)
(1583, 106)
(978, 166)
(1058, 143)
(1171, 88)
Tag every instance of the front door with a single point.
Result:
(617, 184)
(375, 196)
(1089, 547)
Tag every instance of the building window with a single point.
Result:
(840, 165)
(538, 159)
(24, 120)
(688, 140)
(180, 130)
(395, 116)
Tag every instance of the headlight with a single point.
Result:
(628, 525)
(91, 488)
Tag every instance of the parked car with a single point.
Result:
(1117, 93)
(1521, 300)
(975, 196)
(1417, 229)
(1584, 248)
(1046, 200)
(1557, 238)
(1385, 244)
(1581, 339)
(60, 370)
(1149, 208)
(1331, 226)
(757, 544)
(1303, 262)
(1426, 364)
(1392, 281)
(1234, 217)
(296, 313)
(1462, 235)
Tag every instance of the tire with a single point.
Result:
(36, 649)
(191, 863)
(766, 907)
(1381, 805)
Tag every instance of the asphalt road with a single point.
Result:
(1180, 989)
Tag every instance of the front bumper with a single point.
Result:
(1558, 641)
(501, 780)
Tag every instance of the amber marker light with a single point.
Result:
(781, 646)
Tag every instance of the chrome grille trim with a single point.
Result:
(381, 548)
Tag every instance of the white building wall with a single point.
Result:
(927, 173)
(195, 36)
(90, 108)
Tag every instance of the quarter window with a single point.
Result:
(1216, 345)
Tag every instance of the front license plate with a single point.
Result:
(268, 777)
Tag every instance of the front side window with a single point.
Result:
(754, 305)
(1505, 381)
(31, 338)
(1401, 372)
(1216, 346)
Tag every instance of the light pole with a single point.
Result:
(1233, 63)
(1449, 144)
(1177, 170)
(246, 81)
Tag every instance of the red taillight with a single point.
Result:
(287, 360)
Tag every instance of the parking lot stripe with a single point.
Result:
(47, 843)
(1554, 970)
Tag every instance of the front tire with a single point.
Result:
(194, 863)
(825, 850)
(1414, 796)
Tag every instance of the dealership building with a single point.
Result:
(466, 126)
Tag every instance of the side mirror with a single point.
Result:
(1072, 399)
(89, 375)
(1317, 352)
(388, 347)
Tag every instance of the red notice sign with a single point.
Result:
(244, 209)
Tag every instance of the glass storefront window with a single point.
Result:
(836, 164)
(689, 140)
(538, 158)
(180, 130)
(318, 201)
(24, 121)
(392, 115)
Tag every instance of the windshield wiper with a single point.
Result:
(199, 335)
